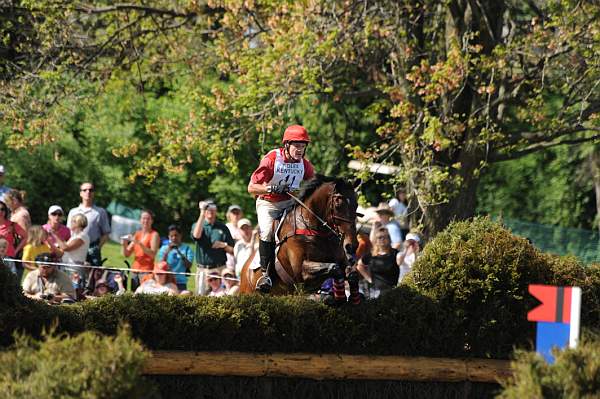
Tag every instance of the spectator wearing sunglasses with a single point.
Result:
(380, 267)
(54, 226)
(47, 282)
(97, 228)
(215, 284)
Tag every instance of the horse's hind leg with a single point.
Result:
(353, 283)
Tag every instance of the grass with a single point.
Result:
(112, 252)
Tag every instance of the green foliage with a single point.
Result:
(559, 189)
(10, 294)
(85, 366)
(575, 374)
(481, 271)
(183, 91)
(291, 324)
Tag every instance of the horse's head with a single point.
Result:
(343, 204)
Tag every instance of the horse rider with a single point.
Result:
(279, 172)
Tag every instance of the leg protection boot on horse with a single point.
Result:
(339, 289)
(266, 251)
(354, 293)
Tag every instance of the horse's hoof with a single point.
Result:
(264, 285)
(329, 300)
(264, 289)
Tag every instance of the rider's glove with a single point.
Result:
(278, 188)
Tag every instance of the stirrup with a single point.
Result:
(264, 284)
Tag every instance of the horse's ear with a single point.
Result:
(357, 182)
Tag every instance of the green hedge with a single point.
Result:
(466, 297)
(575, 374)
(480, 272)
(85, 366)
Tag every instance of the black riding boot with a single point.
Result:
(266, 250)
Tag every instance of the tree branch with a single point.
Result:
(543, 146)
(126, 7)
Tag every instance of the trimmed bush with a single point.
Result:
(10, 292)
(85, 366)
(575, 374)
(481, 271)
(402, 323)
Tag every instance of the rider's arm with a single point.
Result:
(262, 176)
(257, 188)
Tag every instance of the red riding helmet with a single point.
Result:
(295, 133)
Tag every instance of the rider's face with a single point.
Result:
(296, 150)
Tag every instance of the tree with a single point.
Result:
(448, 87)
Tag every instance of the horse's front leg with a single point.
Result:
(339, 286)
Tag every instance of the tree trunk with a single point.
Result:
(462, 204)
(594, 160)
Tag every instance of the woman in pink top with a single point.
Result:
(15, 199)
(55, 226)
(11, 230)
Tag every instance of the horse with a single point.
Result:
(315, 238)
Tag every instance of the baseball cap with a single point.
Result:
(1, 169)
(234, 207)
(55, 208)
(211, 205)
(413, 236)
(243, 222)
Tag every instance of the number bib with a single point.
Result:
(290, 173)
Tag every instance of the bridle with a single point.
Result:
(330, 212)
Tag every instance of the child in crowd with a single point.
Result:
(4, 261)
(230, 282)
(214, 282)
(159, 282)
(37, 243)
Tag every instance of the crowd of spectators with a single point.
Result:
(63, 262)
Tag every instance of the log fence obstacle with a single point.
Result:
(326, 366)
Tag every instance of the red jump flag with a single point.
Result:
(556, 304)
(557, 317)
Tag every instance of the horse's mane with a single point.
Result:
(312, 185)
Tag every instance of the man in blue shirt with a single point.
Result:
(178, 256)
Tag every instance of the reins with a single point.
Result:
(323, 222)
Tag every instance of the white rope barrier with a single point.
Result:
(121, 269)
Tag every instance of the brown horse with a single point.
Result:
(312, 238)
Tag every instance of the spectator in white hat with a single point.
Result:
(384, 219)
(234, 214)
(55, 225)
(406, 259)
(3, 189)
(245, 247)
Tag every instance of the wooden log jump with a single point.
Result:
(326, 366)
